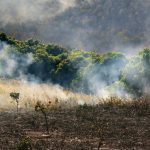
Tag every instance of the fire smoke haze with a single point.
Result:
(22, 11)
(99, 25)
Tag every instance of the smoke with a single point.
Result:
(23, 11)
(7, 65)
(13, 65)
(85, 24)
(104, 79)
(91, 25)
(31, 92)
(14, 78)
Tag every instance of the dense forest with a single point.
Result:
(79, 70)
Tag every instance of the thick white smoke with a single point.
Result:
(30, 91)
(22, 11)
(9, 63)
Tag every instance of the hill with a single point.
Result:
(90, 72)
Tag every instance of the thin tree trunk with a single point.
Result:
(17, 107)
(46, 123)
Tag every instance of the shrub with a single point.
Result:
(15, 96)
(24, 144)
(43, 109)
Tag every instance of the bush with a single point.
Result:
(24, 144)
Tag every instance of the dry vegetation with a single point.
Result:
(30, 93)
(111, 124)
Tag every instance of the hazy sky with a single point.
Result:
(86, 24)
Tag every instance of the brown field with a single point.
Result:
(111, 124)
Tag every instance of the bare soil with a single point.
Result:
(104, 126)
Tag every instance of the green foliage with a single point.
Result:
(76, 68)
(145, 54)
(43, 109)
(132, 74)
(24, 144)
(3, 37)
(54, 50)
(136, 74)
(15, 96)
(40, 107)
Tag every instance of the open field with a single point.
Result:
(111, 124)
(107, 126)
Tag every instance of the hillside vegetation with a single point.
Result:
(79, 70)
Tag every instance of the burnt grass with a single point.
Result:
(104, 126)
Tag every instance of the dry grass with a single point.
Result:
(30, 93)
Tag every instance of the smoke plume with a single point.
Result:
(24, 11)
(85, 24)
(11, 64)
